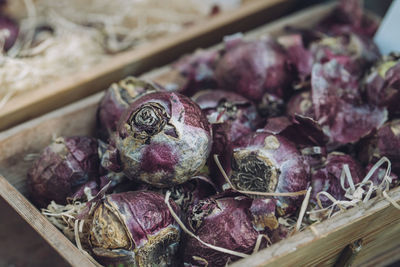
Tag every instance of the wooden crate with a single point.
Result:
(32, 104)
(377, 223)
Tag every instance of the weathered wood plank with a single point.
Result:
(368, 222)
(157, 53)
(38, 222)
(20, 246)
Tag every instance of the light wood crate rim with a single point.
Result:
(58, 93)
(72, 255)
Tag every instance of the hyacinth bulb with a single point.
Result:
(339, 107)
(186, 194)
(252, 68)
(354, 52)
(8, 32)
(227, 107)
(327, 178)
(194, 72)
(133, 229)
(385, 142)
(300, 104)
(349, 16)
(382, 84)
(299, 57)
(222, 221)
(163, 139)
(117, 99)
(62, 169)
(265, 162)
(305, 133)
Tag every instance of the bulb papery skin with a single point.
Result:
(231, 116)
(194, 72)
(300, 104)
(10, 31)
(264, 162)
(305, 133)
(382, 84)
(222, 221)
(355, 53)
(327, 178)
(163, 139)
(62, 169)
(117, 99)
(236, 111)
(349, 16)
(187, 194)
(134, 228)
(384, 143)
(251, 68)
(339, 107)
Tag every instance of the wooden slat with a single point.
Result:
(367, 222)
(20, 246)
(51, 234)
(31, 104)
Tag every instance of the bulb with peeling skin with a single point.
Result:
(117, 99)
(222, 221)
(327, 178)
(251, 68)
(163, 139)
(63, 167)
(354, 52)
(264, 162)
(300, 104)
(385, 142)
(382, 84)
(133, 228)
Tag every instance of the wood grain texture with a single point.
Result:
(377, 222)
(22, 247)
(56, 94)
(38, 222)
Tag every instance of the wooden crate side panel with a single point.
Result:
(38, 222)
(308, 249)
(56, 94)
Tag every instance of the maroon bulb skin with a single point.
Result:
(252, 68)
(382, 84)
(265, 162)
(62, 168)
(231, 116)
(194, 72)
(354, 52)
(222, 221)
(117, 99)
(162, 139)
(227, 107)
(327, 178)
(135, 229)
(339, 107)
(348, 16)
(187, 194)
(300, 104)
(11, 30)
(384, 142)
